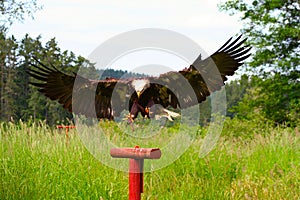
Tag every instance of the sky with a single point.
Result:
(82, 25)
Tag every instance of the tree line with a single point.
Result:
(268, 90)
(19, 99)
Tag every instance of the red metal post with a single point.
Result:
(67, 131)
(135, 178)
(136, 166)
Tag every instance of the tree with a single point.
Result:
(15, 10)
(18, 99)
(36, 105)
(273, 28)
(11, 11)
(276, 99)
(235, 91)
(8, 55)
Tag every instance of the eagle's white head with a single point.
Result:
(140, 85)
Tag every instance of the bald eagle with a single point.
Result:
(108, 98)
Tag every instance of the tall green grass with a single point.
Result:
(251, 161)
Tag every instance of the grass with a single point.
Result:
(251, 161)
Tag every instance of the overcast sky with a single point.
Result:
(82, 25)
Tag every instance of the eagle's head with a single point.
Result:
(140, 85)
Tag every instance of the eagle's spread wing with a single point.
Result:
(108, 98)
(53, 84)
(78, 94)
(192, 85)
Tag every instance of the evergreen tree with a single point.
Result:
(8, 61)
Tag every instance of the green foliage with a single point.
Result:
(14, 10)
(19, 100)
(38, 162)
(8, 52)
(235, 92)
(275, 99)
(273, 28)
(111, 73)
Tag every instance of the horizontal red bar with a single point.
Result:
(136, 153)
(62, 126)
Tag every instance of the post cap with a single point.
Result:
(136, 153)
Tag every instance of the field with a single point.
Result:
(252, 160)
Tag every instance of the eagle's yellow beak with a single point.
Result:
(139, 93)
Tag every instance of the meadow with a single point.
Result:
(252, 160)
